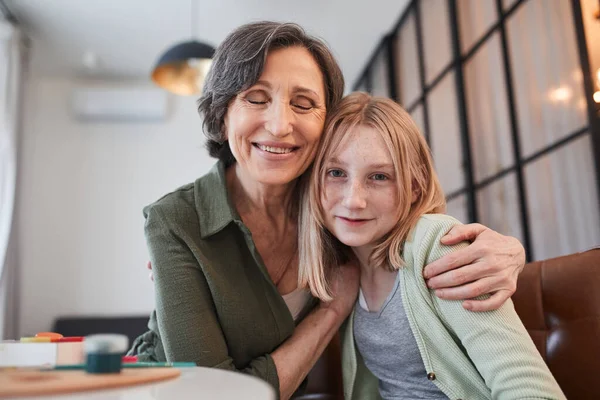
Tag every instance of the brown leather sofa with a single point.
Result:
(558, 301)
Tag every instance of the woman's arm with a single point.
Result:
(490, 265)
(190, 329)
(186, 315)
(497, 342)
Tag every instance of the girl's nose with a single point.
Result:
(355, 196)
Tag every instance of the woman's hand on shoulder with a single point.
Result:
(345, 281)
(489, 265)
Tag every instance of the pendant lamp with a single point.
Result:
(182, 68)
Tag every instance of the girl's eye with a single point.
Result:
(380, 177)
(335, 173)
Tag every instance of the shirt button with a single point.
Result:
(431, 376)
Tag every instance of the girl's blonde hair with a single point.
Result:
(319, 250)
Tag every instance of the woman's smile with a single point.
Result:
(275, 151)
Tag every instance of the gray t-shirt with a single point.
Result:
(389, 350)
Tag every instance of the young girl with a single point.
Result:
(373, 194)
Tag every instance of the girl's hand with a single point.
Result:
(151, 274)
(345, 281)
(489, 265)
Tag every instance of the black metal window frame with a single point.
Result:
(457, 64)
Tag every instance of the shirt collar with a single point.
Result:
(214, 209)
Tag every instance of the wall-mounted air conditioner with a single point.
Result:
(119, 103)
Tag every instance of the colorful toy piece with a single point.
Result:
(51, 335)
(103, 353)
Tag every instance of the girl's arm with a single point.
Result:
(297, 355)
(497, 342)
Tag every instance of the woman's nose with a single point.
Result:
(279, 119)
(355, 196)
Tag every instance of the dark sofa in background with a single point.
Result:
(131, 326)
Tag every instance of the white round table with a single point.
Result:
(194, 383)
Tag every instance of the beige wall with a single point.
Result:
(81, 190)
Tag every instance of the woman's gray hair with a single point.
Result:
(238, 64)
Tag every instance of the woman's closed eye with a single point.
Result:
(303, 103)
(257, 97)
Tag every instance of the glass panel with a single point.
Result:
(445, 134)
(419, 118)
(379, 74)
(457, 207)
(546, 73)
(408, 81)
(475, 17)
(498, 206)
(437, 39)
(489, 119)
(592, 36)
(361, 87)
(508, 4)
(563, 201)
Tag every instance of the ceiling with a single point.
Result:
(127, 36)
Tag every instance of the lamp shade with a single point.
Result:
(183, 67)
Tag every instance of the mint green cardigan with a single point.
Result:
(468, 355)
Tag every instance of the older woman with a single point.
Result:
(224, 248)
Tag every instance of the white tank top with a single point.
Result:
(297, 302)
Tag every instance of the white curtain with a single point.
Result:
(11, 57)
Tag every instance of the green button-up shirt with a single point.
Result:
(215, 302)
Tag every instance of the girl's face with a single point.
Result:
(360, 194)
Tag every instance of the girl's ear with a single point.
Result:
(416, 192)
